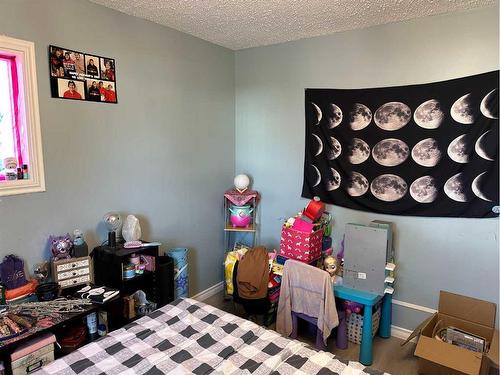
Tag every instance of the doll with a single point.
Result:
(331, 265)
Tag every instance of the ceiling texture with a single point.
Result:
(239, 24)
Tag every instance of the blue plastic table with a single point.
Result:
(368, 300)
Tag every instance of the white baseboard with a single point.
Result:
(207, 293)
(398, 332)
(413, 306)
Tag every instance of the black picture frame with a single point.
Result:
(81, 76)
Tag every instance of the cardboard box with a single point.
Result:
(469, 314)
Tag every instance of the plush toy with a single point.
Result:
(61, 246)
(352, 307)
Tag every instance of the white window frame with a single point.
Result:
(30, 116)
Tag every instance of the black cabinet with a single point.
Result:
(158, 284)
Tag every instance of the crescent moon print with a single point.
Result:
(392, 116)
(477, 187)
(429, 115)
(333, 180)
(462, 110)
(317, 175)
(489, 104)
(430, 149)
(358, 151)
(456, 189)
(481, 146)
(424, 189)
(360, 116)
(426, 153)
(319, 150)
(336, 149)
(317, 112)
(459, 149)
(334, 116)
(390, 152)
(388, 187)
(357, 184)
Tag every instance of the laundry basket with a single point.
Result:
(355, 325)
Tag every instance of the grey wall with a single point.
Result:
(459, 255)
(165, 152)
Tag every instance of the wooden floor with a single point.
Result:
(388, 354)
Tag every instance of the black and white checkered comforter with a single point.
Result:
(188, 336)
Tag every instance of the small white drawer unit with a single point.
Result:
(72, 272)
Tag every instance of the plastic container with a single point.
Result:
(181, 277)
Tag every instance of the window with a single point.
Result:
(21, 160)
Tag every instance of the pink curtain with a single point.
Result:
(11, 60)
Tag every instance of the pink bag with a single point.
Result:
(304, 247)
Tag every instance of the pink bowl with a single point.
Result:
(240, 221)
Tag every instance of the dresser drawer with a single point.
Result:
(73, 273)
(72, 265)
(75, 281)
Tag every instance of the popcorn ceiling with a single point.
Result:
(239, 24)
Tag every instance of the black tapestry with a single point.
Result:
(421, 150)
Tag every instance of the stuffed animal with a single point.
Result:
(61, 246)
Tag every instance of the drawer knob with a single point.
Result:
(73, 265)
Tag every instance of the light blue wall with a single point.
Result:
(165, 152)
(459, 255)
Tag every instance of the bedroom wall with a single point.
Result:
(459, 255)
(165, 152)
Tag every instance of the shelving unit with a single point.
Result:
(234, 198)
(158, 284)
(232, 234)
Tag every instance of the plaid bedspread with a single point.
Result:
(188, 336)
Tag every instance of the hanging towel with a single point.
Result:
(307, 290)
(253, 274)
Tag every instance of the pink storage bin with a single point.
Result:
(301, 246)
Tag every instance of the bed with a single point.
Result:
(188, 336)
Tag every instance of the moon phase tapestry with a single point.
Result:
(420, 150)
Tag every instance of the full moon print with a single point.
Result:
(429, 149)
(392, 116)
(390, 152)
(388, 187)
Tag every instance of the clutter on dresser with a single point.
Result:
(72, 272)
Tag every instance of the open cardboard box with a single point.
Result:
(469, 314)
